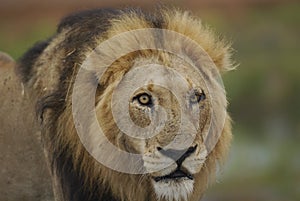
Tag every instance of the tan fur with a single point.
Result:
(23, 173)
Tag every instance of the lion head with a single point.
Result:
(145, 129)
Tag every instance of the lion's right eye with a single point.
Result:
(144, 99)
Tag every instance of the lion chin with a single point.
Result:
(176, 161)
(178, 185)
(178, 189)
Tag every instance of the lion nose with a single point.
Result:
(177, 155)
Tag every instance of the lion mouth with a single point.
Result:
(175, 175)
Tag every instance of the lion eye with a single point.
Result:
(144, 99)
(196, 97)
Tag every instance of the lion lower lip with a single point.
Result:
(177, 174)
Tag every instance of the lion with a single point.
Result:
(48, 74)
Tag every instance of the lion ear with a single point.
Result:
(6, 60)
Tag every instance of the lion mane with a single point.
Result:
(48, 71)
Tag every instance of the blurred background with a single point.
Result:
(264, 91)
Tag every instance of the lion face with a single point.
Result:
(172, 149)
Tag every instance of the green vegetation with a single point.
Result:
(15, 40)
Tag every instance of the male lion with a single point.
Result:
(164, 73)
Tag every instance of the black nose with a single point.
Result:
(178, 155)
